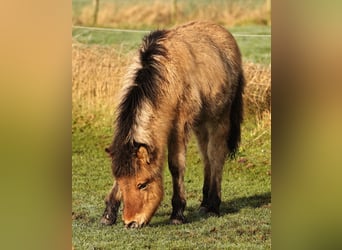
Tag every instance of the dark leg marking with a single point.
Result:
(176, 159)
(112, 202)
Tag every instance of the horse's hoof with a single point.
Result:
(203, 210)
(107, 220)
(178, 220)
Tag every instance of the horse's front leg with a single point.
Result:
(112, 202)
(176, 160)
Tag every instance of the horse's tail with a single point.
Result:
(236, 117)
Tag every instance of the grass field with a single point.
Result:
(99, 60)
(246, 194)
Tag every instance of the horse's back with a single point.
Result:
(205, 39)
(206, 62)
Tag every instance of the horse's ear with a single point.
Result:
(142, 154)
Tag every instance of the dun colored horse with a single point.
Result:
(189, 78)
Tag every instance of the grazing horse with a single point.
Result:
(185, 79)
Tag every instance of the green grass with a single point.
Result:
(254, 49)
(126, 40)
(246, 195)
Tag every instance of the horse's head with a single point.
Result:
(142, 192)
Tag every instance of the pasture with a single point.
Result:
(99, 60)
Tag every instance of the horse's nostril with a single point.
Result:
(132, 224)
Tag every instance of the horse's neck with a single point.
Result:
(151, 126)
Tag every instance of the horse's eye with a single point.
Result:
(142, 186)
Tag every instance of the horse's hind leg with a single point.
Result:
(217, 153)
(213, 144)
(176, 159)
(201, 133)
(112, 202)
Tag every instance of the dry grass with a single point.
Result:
(97, 74)
(164, 13)
(258, 89)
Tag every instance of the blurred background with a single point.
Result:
(36, 103)
(154, 14)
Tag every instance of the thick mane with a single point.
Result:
(144, 87)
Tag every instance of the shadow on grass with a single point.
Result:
(227, 207)
(192, 214)
(255, 201)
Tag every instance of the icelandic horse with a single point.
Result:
(185, 79)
